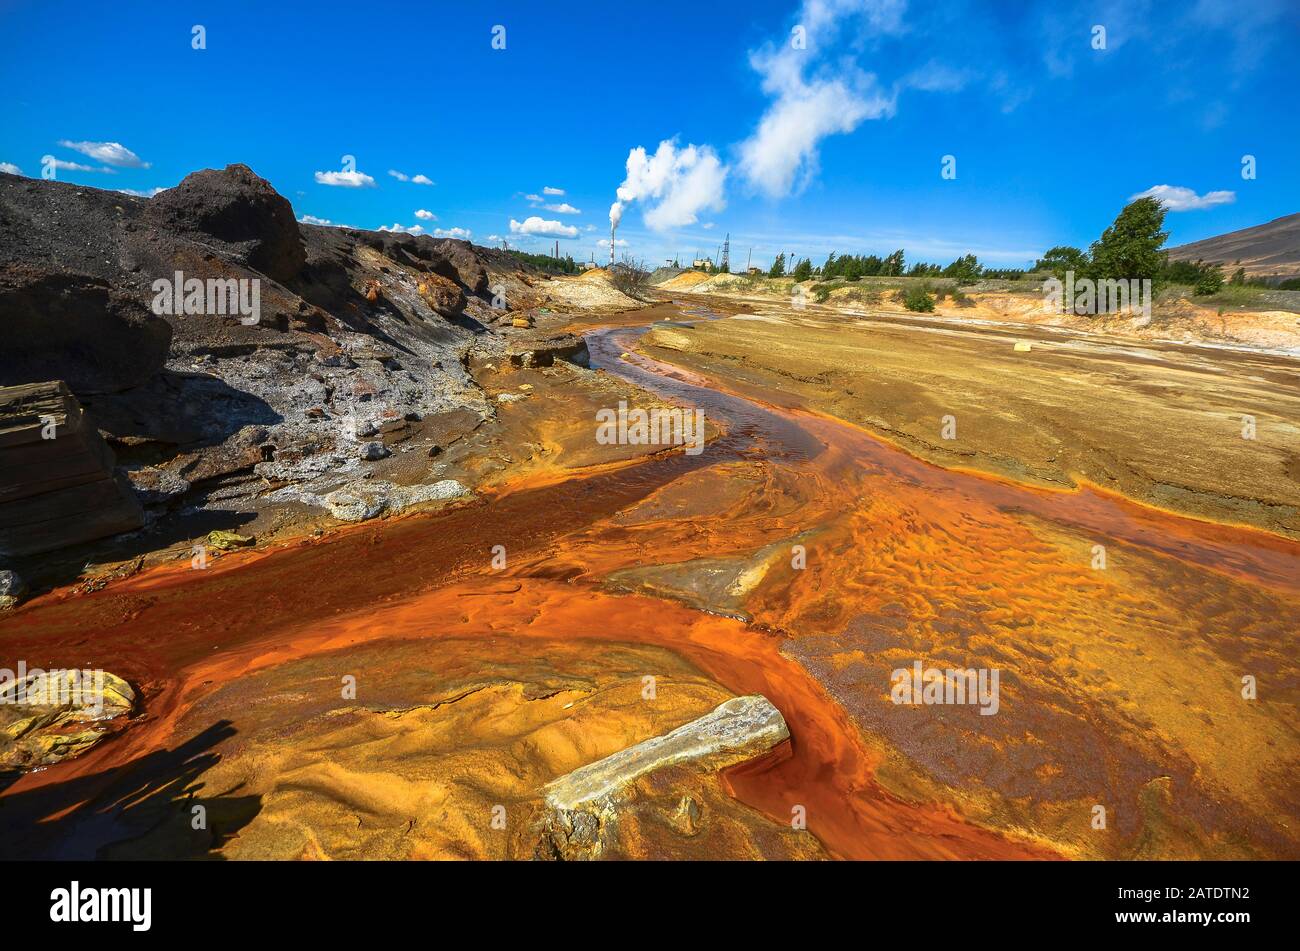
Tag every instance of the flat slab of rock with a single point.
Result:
(542, 350)
(57, 484)
(741, 729)
(361, 501)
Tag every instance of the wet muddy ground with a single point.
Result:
(799, 557)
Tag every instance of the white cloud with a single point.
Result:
(403, 229)
(535, 199)
(681, 183)
(1178, 198)
(813, 98)
(537, 226)
(426, 215)
(494, 238)
(345, 179)
(313, 220)
(548, 190)
(111, 153)
(413, 179)
(589, 228)
(10, 168)
(74, 166)
(618, 243)
(461, 233)
(563, 208)
(141, 193)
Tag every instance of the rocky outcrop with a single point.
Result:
(47, 716)
(542, 350)
(78, 328)
(237, 214)
(466, 263)
(365, 499)
(356, 331)
(57, 484)
(12, 589)
(582, 806)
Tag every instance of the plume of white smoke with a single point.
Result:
(812, 97)
(674, 185)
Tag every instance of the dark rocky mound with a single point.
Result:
(358, 336)
(98, 338)
(238, 214)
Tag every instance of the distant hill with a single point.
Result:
(1268, 250)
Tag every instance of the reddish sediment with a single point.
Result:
(888, 536)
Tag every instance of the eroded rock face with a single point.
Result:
(204, 409)
(57, 482)
(238, 213)
(465, 262)
(77, 328)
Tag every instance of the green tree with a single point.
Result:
(1063, 258)
(894, 264)
(1130, 248)
(965, 269)
(803, 270)
(778, 266)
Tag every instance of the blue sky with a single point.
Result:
(835, 143)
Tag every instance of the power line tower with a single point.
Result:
(726, 253)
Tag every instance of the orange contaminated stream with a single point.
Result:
(888, 520)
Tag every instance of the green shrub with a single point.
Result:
(918, 299)
(1210, 281)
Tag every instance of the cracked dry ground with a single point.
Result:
(475, 687)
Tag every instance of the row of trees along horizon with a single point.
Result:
(1131, 248)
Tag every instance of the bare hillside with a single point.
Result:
(1267, 250)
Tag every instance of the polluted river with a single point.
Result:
(496, 645)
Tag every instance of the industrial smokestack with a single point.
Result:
(615, 216)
